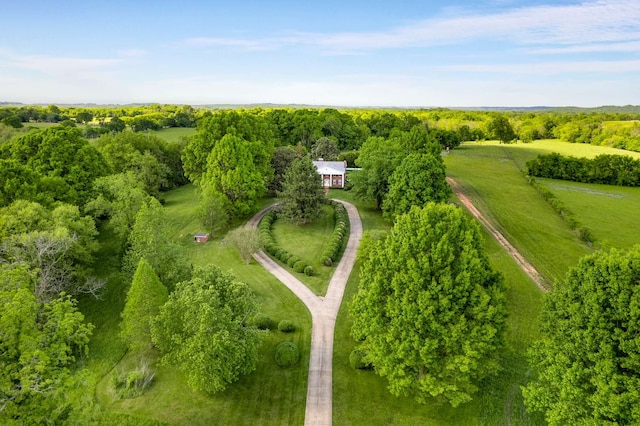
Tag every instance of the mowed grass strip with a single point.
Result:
(362, 398)
(501, 192)
(270, 395)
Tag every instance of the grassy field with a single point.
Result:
(362, 398)
(270, 395)
(490, 176)
(174, 134)
(610, 212)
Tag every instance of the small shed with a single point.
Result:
(201, 238)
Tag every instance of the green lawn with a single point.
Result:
(174, 134)
(270, 395)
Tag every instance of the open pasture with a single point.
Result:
(610, 212)
(488, 174)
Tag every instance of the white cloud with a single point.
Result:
(54, 65)
(131, 53)
(550, 68)
(580, 24)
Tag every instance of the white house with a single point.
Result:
(334, 173)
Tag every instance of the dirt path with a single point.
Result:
(324, 311)
(527, 267)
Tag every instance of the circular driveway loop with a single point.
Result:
(324, 311)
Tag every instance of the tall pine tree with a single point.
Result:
(144, 299)
(301, 196)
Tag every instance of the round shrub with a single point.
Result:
(285, 257)
(309, 271)
(327, 261)
(286, 326)
(263, 322)
(292, 261)
(287, 354)
(299, 266)
(356, 360)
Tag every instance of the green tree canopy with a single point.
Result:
(150, 239)
(325, 148)
(587, 364)
(144, 299)
(282, 158)
(59, 152)
(119, 199)
(202, 330)
(39, 344)
(378, 159)
(301, 197)
(430, 310)
(252, 129)
(419, 179)
(500, 128)
(232, 173)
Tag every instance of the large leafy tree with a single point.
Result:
(59, 245)
(419, 179)
(501, 129)
(144, 299)
(203, 330)
(232, 173)
(39, 344)
(119, 198)
(301, 196)
(325, 148)
(60, 152)
(252, 129)
(150, 239)
(378, 159)
(430, 310)
(587, 364)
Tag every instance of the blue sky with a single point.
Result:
(342, 53)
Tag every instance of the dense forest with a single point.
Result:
(94, 171)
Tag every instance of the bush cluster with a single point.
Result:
(340, 230)
(605, 169)
(287, 354)
(263, 322)
(286, 326)
(131, 384)
(273, 249)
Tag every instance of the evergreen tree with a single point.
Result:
(301, 197)
(144, 299)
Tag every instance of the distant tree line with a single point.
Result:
(605, 169)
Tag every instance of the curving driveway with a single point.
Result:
(324, 311)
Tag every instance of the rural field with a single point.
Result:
(490, 174)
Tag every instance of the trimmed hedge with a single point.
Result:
(332, 252)
(272, 248)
